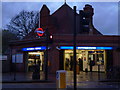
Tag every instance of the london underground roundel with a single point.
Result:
(39, 31)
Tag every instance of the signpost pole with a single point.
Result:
(15, 69)
(74, 42)
(40, 33)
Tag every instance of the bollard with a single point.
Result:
(61, 79)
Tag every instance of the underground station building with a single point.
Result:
(54, 43)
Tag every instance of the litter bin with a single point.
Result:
(36, 72)
(61, 78)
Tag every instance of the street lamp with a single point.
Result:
(74, 43)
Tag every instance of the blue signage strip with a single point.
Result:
(106, 48)
(87, 48)
(66, 47)
(34, 48)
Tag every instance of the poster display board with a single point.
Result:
(3, 57)
(18, 58)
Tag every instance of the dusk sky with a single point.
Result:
(105, 13)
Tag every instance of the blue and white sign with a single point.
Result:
(17, 58)
(86, 48)
(34, 48)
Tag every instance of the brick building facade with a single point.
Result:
(103, 49)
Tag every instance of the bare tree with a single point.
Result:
(6, 37)
(23, 23)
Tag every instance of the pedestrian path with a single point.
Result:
(23, 78)
(91, 80)
(84, 80)
(86, 76)
(82, 76)
(20, 76)
(95, 84)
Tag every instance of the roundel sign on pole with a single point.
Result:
(39, 31)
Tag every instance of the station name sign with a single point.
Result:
(34, 48)
(86, 48)
(67, 47)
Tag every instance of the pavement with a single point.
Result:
(82, 76)
(25, 78)
(85, 81)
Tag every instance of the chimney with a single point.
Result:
(88, 9)
(44, 16)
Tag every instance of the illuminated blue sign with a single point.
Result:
(107, 48)
(34, 48)
(66, 47)
(86, 48)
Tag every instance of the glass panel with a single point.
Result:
(98, 57)
(82, 59)
(35, 58)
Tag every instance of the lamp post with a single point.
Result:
(74, 43)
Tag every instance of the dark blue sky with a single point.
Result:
(105, 13)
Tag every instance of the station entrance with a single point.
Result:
(35, 58)
(83, 60)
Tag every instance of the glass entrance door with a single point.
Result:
(35, 58)
(68, 59)
(98, 56)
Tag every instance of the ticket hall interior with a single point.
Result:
(35, 58)
(82, 59)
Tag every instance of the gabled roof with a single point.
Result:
(45, 7)
(65, 19)
(64, 7)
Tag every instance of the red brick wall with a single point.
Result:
(54, 60)
(116, 58)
